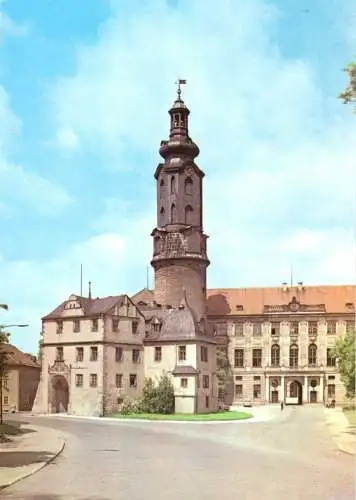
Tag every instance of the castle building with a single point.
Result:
(277, 341)
(95, 352)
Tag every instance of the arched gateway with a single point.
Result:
(295, 392)
(59, 375)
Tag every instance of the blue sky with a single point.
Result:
(84, 93)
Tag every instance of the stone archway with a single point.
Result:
(296, 391)
(59, 394)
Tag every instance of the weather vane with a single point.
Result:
(180, 82)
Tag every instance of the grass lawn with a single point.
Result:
(226, 415)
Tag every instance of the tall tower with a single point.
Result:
(179, 243)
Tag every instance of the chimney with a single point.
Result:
(300, 286)
(89, 289)
(285, 286)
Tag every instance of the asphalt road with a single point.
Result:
(290, 458)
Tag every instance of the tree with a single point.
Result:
(165, 395)
(4, 339)
(344, 353)
(348, 95)
(158, 398)
(224, 372)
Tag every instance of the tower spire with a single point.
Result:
(180, 82)
(180, 255)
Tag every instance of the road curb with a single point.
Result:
(36, 469)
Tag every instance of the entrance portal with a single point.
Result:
(313, 396)
(274, 395)
(60, 394)
(296, 392)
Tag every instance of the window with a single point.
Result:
(6, 400)
(115, 324)
(331, 377)
(188, 215)
(312, 351)
(59, 354)
(331, 390)
(158, 354)
(275, 329)
(188, 185)
(135, 355)
(312, 327)
(161, 183)
(256, 378)
(161, 218)
(294, 327)
(205, 381)
(93, 380)
(80, 354)
(133, 380)
(256, 391)
(239, 329)
(184, 383)
(76, 325)
(119, 354)
(330, 359)
(257, 358)
(173, 184)
(182, 353)
(134, 327)
(206, 401)
(238, 391)
(119, 380)
(331, 327)
(239, 358)
(275, 355)
(350, 325)
(94, 325)
(257, 329)
(59, 327)
(79, 380)
(173, 218)
(293, 356)
(204, 353)
(238, 378)
(156, 327)
(93, 354)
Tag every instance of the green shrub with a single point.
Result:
(130, 406)
(158, 398)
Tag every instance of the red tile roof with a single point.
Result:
(245, 301)
(91, 307)
(251, 301)
(15, 357)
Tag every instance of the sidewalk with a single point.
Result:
(28, 453)
(340, 430)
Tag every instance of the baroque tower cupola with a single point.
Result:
(179, 256)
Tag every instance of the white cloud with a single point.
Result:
(8, 27)
(67, 139)
(278, 151)
(18, 183)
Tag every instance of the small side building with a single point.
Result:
(177, 344)
(21, 379)
(91, 356)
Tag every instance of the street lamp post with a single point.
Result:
(3, 372)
